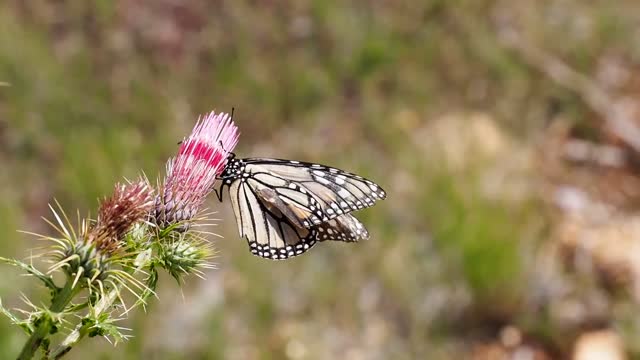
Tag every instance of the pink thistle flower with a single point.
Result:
(192, 173)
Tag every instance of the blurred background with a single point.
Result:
(505, 133)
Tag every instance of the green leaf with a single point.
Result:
(103, 325)
(150, 289)
(167, 232)
(72, 308)
(46, 279)
(24, 325)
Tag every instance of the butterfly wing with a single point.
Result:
(314, 193)
(343, 228)
(267, 230)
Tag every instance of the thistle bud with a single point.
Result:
(184, 257)
(128, 205)
(89, 255)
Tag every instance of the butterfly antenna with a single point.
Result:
(230, 152)
(233, 109)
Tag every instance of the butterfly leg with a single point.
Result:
(219, 191)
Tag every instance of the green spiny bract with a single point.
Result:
(184, 256)
(84, 260)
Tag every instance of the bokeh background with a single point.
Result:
(504, 132)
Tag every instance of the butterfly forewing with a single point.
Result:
(322, 193)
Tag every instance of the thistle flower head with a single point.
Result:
(191, 174)
(89, 255)
(128, 205)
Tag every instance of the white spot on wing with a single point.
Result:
(323, 181)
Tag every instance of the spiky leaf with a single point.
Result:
(46, 279)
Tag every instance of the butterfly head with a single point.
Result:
(233, 168)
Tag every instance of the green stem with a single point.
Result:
(82, 330)
(58, 303)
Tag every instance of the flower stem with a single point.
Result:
(83, 329)
(58, 303)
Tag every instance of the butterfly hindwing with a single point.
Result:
(268, 232)
(343, 228)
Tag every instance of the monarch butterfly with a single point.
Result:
(284, 207)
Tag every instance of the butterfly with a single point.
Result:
(284, 207)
